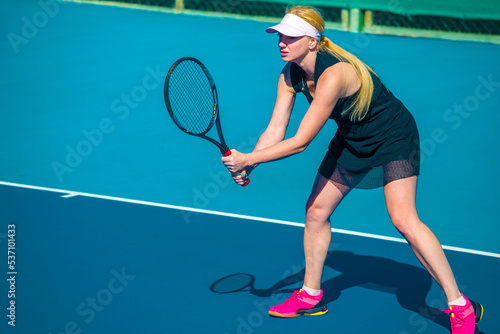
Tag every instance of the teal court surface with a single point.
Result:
(119, 223)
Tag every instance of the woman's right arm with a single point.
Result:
(276, 129)
(285, 98)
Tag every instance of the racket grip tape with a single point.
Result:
(247, 179)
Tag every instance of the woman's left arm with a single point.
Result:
(330, 87)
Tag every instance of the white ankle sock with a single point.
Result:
(459, 302)
(311, 292)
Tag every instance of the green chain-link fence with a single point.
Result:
(432, 26)
(453, 19)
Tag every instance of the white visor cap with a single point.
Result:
(293, 26)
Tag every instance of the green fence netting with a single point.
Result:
(466, 9)
(455, 19)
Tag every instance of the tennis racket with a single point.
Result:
(192, 103)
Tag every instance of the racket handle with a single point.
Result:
(246, 182)
(228, 153)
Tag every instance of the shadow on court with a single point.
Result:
(409, 284)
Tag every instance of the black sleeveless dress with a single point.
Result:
(382, 147)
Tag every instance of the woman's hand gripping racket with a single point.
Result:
(191, 100)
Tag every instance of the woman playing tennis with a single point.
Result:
(376, 144)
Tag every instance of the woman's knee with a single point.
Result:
(405, 222)
(317, 214)
(322, 202)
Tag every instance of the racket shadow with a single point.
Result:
(409, 284)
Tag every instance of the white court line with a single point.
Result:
(71, 194)
(68, 194)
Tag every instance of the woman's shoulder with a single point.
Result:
(342, 75)
(324, 62)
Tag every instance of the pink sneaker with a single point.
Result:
(464, 318)
(300, 303)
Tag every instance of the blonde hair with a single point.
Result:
(359, 108)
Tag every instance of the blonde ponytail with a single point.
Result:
(359, 108)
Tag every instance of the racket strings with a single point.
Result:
(190, 90)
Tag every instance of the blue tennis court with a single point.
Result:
(124, 225)
(87, 263)
(95, 264)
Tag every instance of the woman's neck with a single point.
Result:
(308, 63)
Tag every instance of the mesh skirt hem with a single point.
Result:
(370, 178)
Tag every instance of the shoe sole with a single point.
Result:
(317, 311)
(478, 311)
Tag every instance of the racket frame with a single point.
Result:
(221, 144)
(224, 149)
